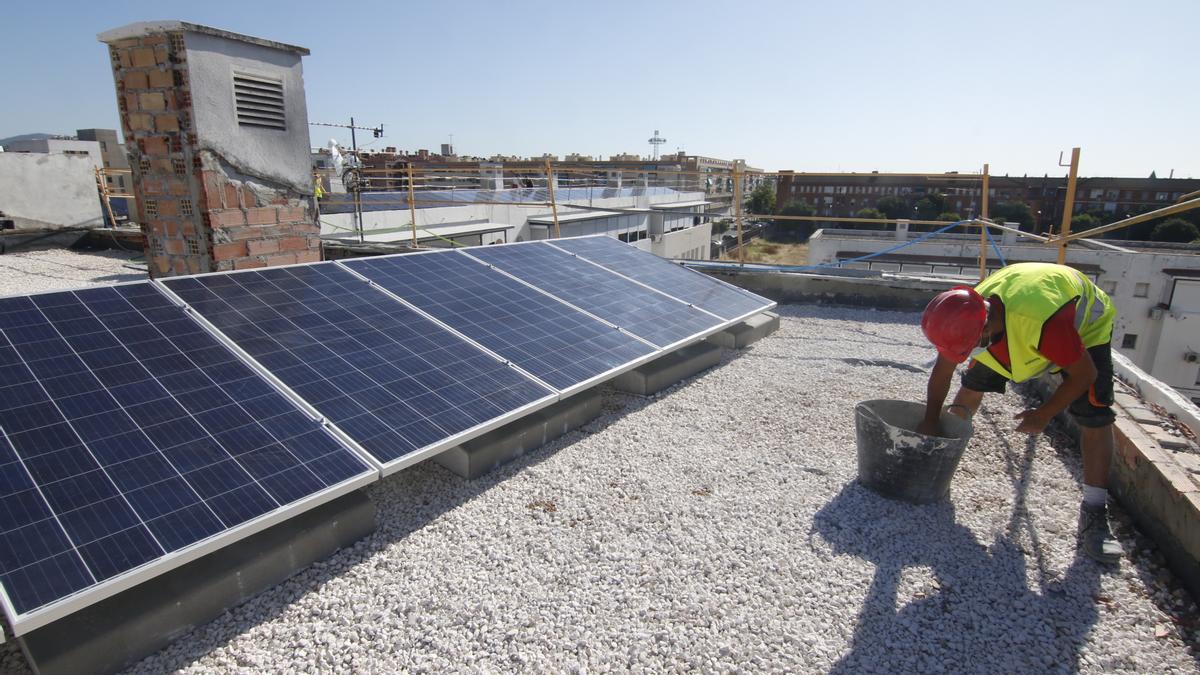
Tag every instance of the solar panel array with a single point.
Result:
(136, 437)
(722, 299)
(391, 379)
(131, 433)
(539, 333)
(655, 317)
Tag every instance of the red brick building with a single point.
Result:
(845, 195)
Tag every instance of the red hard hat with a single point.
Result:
(953, 321)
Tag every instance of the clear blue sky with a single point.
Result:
(814, 86)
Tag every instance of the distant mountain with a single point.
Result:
(25, 137)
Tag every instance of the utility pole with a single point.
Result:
(356, 186)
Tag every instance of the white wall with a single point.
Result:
(274, 154)
(1134, 280)
(693, 243)
(60, 146)
(49, 190)
(1180, 336)
(342, 224)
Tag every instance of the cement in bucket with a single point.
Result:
(896, 461)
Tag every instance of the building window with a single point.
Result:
(1141, 290)
(259, 101)
(1129, 341)
(1109, 287)
(1161, 196)
(185, 207)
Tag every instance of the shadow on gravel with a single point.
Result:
(977, 615)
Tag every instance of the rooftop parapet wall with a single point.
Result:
(214, 193)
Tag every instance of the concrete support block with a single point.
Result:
(747, 332)
(489, 451)
(127, 627)
(669, 369)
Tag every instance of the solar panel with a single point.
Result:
(712, 295)
(133, 441)
(398, 384)
(556, 343)
(642, 311)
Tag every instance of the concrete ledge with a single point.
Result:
(487, 452)
(129, 626)
(878, 291)
(669, 369)
(747, 332)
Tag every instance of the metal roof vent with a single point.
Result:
(259, 101)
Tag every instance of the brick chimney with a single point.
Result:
(216, 129)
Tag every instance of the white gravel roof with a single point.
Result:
(38, 270)
(718, 526)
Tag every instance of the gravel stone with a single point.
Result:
(37, 270)
(718, 526)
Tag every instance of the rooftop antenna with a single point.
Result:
(656, 141)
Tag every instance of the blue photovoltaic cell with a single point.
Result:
(391, 379)
(547, 338)
(128, 433)
(643, 312)
(724, 300)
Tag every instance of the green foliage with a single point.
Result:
(893, 207)
(929, 206)
(720, 226)
(1176, 230)
(870, 213)
(949, 217)
(799, 230)
(1012, 212)
(762, 199)
(1084, 221)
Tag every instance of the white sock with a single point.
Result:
(1094, 497)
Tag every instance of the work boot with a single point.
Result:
(1095, 539)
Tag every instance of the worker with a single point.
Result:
(1021, 321)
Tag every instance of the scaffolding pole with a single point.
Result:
(553, 203)
(412, 206)
(1068, 206)
(983, 213)
(102, 184)
(737, 210)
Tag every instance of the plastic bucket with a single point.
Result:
(896, 461)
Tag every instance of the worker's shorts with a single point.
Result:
(1093, 409)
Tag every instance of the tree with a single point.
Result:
(949, 217)
(1013, 212)
(762, 199)
(1175, 229)
(1084, 221)
(929, 206)
(870, 213)
(893, 207)
(795, 229)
